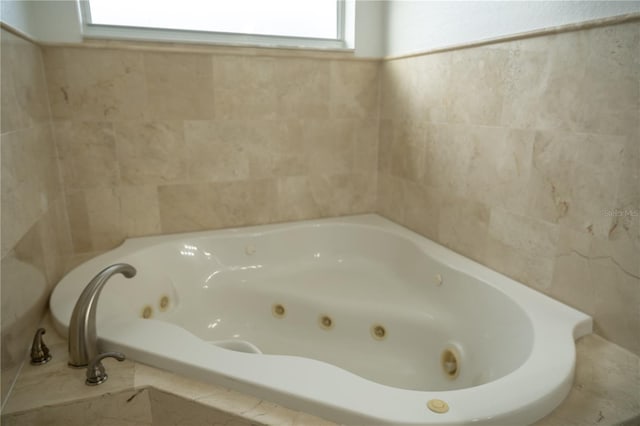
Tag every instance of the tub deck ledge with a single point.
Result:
(605, 392)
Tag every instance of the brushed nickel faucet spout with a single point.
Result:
(83, 342)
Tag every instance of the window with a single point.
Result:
(305, 23)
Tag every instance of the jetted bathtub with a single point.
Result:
(354, 319)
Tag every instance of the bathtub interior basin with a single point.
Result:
(306, 312)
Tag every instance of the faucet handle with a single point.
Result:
(96, 373)
(39, 351)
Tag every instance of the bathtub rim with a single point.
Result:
(575, 324)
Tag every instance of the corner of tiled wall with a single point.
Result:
(35, 233)
(525, 156)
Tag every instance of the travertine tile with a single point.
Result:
(24, 296)
(246, 202)
(127, 408)
(302, 86)
(46, 165)
(610, 92)
(64, 384)
(10, 117)
(76, 260)
(168, 382)
(16, 217)
(574, 179)
(178, 86)
(624, 239)
(94, 217)
(104, 212)
(391, 90)
(537, 237)
(87, 154)
(277, 148)
(522, 248)
(268, 413)
(188, 208)
(329, 146)
(245, 87)
(545, 75)
(151, 152)
(572, 282)
(605, 387)
(34, 226)
(366, 146)
(422, 209)
(56, 241)
(218, 150)
(23, 84)
(139, 211)
(448, 152)
(408, 150)
(431, 80)
(168, 410)
(338, 195)
(354, 89)
(295, 200)
(617, 316)
(477, 90)
(57, 87)
(79, 226)
(232, 401)
(385, 144)
(521, 265)
(304, 419)
(390, 202)
(193, 207)
(500, 166)
(526, 85)
(463, 226)
(30, 180)
(96, 84)
(325, 195)
(624, 235)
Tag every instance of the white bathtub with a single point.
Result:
(354, 319)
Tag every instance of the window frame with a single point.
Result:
(117, 32)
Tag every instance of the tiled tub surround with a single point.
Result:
(520, 155)
(35, 235)
(604, 393)
(161, 142)
(560, 106)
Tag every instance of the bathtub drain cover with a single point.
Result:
(438, 406)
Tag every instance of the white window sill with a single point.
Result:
(227, 39)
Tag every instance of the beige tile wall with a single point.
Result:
(519, 155)
(159, 142)
(513, 154)
(35, 234)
